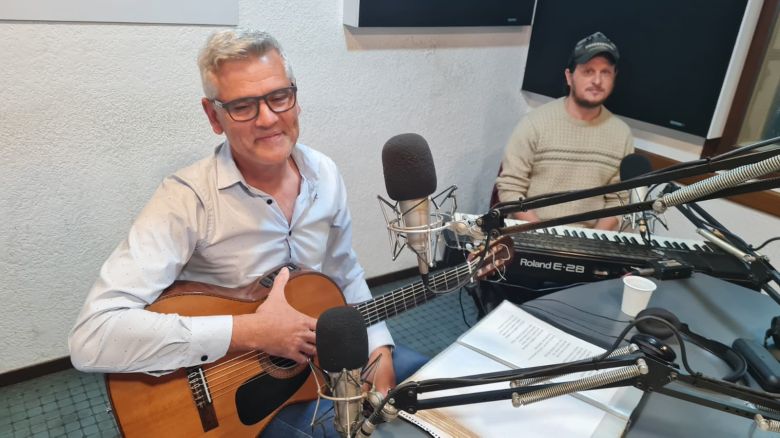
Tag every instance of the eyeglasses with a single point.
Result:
(247, 108)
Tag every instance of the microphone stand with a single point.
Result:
(640, 370)
(493, 220)
(726, 184)
(696, 168)
(760, 268)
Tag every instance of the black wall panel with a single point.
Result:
(431, 13)
(674, 54)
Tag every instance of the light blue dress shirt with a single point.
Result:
(204, 223)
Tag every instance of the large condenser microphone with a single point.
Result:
(410, 179)
(342, 348)
(633, 166)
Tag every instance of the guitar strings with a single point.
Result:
(235, 370)
(458, 274)
(223, 377)
(379, 306)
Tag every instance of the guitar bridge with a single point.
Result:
(202, 396)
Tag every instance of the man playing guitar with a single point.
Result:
(260, 201)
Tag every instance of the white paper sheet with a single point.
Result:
(510, 338)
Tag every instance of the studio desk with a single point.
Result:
(710, 306)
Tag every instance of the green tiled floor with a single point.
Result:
(434, 325)
(67, 403)
(74, 404)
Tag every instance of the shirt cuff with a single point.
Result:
(210, 338)
(378, 336)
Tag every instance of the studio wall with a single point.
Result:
(94, 116)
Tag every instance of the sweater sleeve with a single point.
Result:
(619, 198)
(516, 167)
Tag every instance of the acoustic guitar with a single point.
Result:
(239, 394)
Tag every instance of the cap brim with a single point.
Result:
(585, 57)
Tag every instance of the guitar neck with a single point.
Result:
(408, 297)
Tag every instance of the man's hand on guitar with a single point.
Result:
(276, 327)
(497, 256)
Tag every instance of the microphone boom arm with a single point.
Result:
(493, 224)
(659, 176)
(651, 375)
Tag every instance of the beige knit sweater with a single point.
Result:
(550, 151)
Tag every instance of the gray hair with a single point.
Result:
(229, 45)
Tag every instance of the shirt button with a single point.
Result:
(289, 233)
(269, 201)
(204, 358)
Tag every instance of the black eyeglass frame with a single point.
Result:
(256, 99)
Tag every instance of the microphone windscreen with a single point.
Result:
(342, 339)
(634, 165)
(408, 167)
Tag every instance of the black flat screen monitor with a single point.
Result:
(674, 54)
(437, 13)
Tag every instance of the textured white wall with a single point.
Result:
(93, 116)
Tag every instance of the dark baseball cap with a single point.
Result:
(592, 45)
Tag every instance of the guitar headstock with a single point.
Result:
(499, 254)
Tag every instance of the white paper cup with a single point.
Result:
(636, 294)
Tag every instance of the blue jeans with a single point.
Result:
(294, 420)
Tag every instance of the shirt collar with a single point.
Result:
(228, 173)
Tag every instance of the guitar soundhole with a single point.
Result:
(282, 362)
(261, 395)
(280, 367)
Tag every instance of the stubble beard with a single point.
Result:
(584, 103)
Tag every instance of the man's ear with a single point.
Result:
(568, 74)
(211, 113)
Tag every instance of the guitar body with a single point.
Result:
(244, 391)
(239, 394)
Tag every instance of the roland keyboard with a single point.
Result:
(567, 255)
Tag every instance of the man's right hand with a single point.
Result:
(276, 327)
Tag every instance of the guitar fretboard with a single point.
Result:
(400, 300)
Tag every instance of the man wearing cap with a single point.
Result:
(570, 143)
